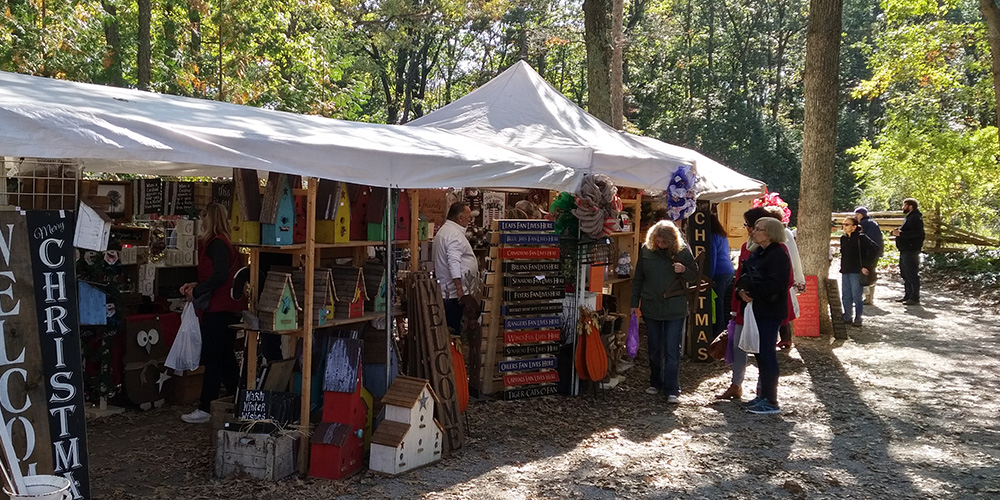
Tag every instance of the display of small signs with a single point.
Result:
(531, 327)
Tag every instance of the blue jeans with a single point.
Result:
(767, 359)
(852, 293)
(665, 354)
(722, 282)
(909, 270)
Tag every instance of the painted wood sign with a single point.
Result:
(529, 239)
(519, 309)
(527, 364)
(525, 225)
(807, 324)
(516, 295)
(525, 253)
(222, 193)
(530, 378)
(522, 281)
(41, 398)
(530, 349)
(525, 323)
(526, 337)
(531, 267)
(529, 392)
(151, 196)
(701, 335)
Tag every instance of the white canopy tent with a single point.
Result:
(128, 131)
(716, 182)
(520, 109)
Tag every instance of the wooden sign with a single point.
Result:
(527, 364)
(530, 349)
(519, 309)
(258, 404)
(494, 203)
(523, 253)
(531, 267)
(41, 398)
(182, 199)
(529, 239)
(700, 324)
(538, 322)
(530, 378)
(529, 392)
(525, 225)
(522, 281)
(531, 336)
(516, 295)
(222, 193)
(151, 196)
(807, 324)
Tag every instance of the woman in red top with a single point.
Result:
(213, 297)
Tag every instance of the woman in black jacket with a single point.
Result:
(764, 284)
(858, 254)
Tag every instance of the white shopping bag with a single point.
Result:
(185, 354)
(750, 338)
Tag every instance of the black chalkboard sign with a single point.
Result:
(222, 193)
(184, 199)
(257, 404)
(151, 196)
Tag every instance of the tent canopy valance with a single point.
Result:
(119, 130)
(520, 109)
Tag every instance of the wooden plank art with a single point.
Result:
(527, 364)
(530, 349)
(700, 324)
(529, 239)
(536, 268)
(519, 295)
(529, 253)
(525, 225)
(530, 378)
(536, 322)
(530, 336)
(525, 309)
(530, 392)
(527, 281)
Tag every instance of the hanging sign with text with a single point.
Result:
(526, 253)
(529, 239)
(525, 225)
(531, 267)
(523, 309)
(530, 336)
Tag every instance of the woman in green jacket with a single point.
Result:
(664, 264)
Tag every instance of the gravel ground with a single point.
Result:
(906, 408)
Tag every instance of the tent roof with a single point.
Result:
(128, 131)
(520, 109)
(716, 182)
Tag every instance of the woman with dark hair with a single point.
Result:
(763, 286)
(664, 260)
(212, 295)
(858, 254)
(722, 272)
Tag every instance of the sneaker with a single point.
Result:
(764, 408)
(857, 323)
(902, 299)
(911, 302)
(652, 390)
(753, 401)
(197, 417)
(672, 399)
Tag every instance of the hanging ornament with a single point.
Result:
(682, 193)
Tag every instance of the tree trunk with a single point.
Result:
(144, 53)
(819, 143)
(113, 53)
(598, 38)
(991, 13)
(617, 88)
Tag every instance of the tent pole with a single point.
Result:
(391, 210)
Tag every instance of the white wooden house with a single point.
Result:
(408, 437)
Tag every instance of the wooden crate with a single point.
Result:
(187, 386)
(260, 456)
(222, 410)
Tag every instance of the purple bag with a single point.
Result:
(632, 341)
(731, 328)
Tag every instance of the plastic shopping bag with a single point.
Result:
(750, 339)
(185, 354)
(632, 340)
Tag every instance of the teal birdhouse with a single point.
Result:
(278, 307)
(277, 216)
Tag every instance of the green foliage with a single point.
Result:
(977, 268)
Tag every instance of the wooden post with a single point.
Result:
(252, 335)
(307, 323)
(414, 229)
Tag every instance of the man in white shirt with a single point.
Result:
(453, 258)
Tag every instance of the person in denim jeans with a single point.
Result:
(664, 264)
(858, 254)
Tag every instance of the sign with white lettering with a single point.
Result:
(530, 267)
(529, 239)
(530, 349)
(525, 225)
(530, 378)
(520, 309)
(516, 295)
(530, 336)
(41, 397)
(527, 253)
(529, 392)
(526, 364)
(520, 281)
(540, 322)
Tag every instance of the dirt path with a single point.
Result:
(907, 408)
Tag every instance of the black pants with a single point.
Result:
(453, 315)
(909, 269)
(217, 343)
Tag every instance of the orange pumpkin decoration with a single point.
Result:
(461, 378)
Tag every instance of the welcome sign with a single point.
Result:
(41, 377)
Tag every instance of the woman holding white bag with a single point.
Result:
(764, 284)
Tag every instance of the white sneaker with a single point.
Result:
(197, 417)
(672, 399)
(652, 390)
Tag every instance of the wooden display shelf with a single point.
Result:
(360, 319)
(296, 247)
(622, 233)
(360, 243)
(241, 326)
(612, 281)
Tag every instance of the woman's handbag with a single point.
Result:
(750, 339)
(871, 277)
(717, 349)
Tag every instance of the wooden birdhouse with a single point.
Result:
(278, 307)
(375, 286)
(403, 216)
(408, 437)
(299, 231)
(350, 284)
(333, 213)
(277, 215)
(244, 218)
(359, 212)
(324, 293)
(376, 214)
(423, 228)
(337, 445)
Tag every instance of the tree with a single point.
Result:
(819, 138)
(599, 41)
(991, 14)
(143, 56)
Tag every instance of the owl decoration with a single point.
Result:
(146, 349)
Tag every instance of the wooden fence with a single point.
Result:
(940, 237)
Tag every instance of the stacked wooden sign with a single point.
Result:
(524, 309)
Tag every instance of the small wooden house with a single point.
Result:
(379, 210)
(337, 446)
(350, 284)
(278, 308)
(324, 292)
(375, 286)
(408, 437)
(244, 218)
(359, 212)
(299, 231)
(334, 214)
(277, 215)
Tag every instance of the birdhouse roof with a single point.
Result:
(276, 183)
(390, 433)
(330, 433)
(346, 279)
(405, 391)
(274, 287)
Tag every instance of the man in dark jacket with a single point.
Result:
(871, 229)
(909, 241)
